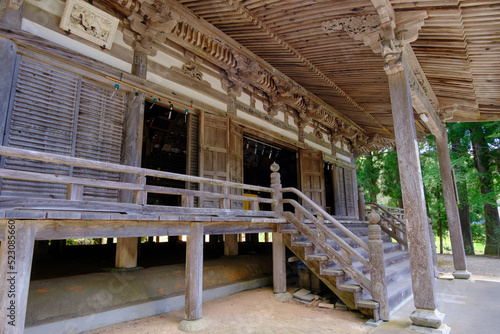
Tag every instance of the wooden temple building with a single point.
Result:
(145, 118)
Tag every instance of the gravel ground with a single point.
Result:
(257, 312)
(478, 265)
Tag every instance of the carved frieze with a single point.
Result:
(355, 26)
(86, 21)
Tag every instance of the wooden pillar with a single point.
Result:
(11, 16)
(377, 270)
(450, 202)
(422, 273)
(16, 254)
(194, 272)
(8, 53)
(230, 245)
(361, 204)
(127, 248)
(279, 264)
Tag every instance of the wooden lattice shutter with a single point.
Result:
(99, 135)
(339, 192)
(192, 151)
(349, 193)
(42, 119)
(56, 111)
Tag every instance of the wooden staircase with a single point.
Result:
(362, 266)
(397, 268)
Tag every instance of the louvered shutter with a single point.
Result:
(339, 192)
(55, 111)
(42, 119)
(349, 193)
(192, 151)
(99, 135)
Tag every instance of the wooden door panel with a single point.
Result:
(213, 153)
(312, 177)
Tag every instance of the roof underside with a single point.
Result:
(458, 48)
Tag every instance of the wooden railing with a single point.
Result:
(75, 186)
(322, 237)
(392, 222)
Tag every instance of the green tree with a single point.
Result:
(485, 149)
(368, 174)
(390, 182)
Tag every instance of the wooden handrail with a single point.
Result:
(326, 216)
(112, 167)
(324, 233)
(140, 189)
(399, 237)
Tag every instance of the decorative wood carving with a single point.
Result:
(392, 54)
(355, 26)
(84, 20)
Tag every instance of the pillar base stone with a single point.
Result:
(461, 274)
(443, 329)
(193, 325)
(427, 318)
(283, 296)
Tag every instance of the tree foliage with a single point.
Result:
(475, 157)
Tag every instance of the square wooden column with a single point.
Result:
(422, 273)
(127, 248)
(16, 255)
(194, 280)
(450, 201)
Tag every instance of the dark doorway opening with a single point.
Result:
(164, 149)
(258, 156)
(329, 192)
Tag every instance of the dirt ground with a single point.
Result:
(257, 312)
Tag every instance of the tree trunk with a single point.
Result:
(482, 160)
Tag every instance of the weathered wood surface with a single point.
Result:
(99, 227)
(194, 272)
(424, 289)
(16, 256)
(279, 264)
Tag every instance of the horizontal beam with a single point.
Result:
(77, 229)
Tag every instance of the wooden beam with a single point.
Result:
(16, 254)
(194, 272)
(423, 97)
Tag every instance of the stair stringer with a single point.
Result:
(349, 298)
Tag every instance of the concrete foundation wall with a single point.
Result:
(148, 292)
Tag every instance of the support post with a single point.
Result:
(434, 252)
(16, 255)
(423, 283)
(194, 280)
(127, 248)
(361, 204)
(450, 202)
(230, 244)
(279, 261)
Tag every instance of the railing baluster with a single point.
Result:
(74, 192)
(141, 196)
